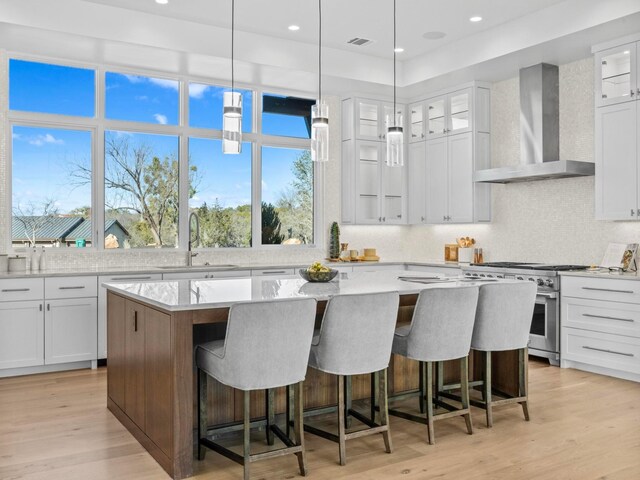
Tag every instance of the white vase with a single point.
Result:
(465, 255)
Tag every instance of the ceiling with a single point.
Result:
(346, 19)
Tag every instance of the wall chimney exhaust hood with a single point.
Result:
(539, 133)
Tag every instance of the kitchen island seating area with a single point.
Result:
(174, 315)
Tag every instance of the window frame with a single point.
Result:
(99, 124)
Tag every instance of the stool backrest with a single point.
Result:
(267, 343)
(357, 333)
(442, 324)
(504, 315)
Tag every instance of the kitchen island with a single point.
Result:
(153, 327)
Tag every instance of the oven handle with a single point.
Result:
(547, 295)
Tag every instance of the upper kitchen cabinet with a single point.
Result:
(364, 119)
(440, 168)
(617, 75)
(417, 123)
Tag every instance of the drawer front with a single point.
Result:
(601, 349)
(273, 271)
(21, 289)
(230, 274)
(596, 315)
(373, 267)
(448, 271)
(185, 275)
(71, 287)
(613, 290)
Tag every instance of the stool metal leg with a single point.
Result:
(203, 419)
(341, 422)
(247, 434)
(523, 379)
(298, 426)
(439, 379)
(269, 398)
(429, 381)
(375, 381)
(384, 408)
(347, 400)
(464, 391)
(422, 386)
(289, 412)
(487, 388)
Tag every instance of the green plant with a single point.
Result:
(334, 242)
(271, 225)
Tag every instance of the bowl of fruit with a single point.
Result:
(318, 273)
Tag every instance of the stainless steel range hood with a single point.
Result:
(539, 133)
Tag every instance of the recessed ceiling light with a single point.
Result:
(398, 49)
(293, 28)
(475, 19)
(162, 2)
(433, 35)
(626, 52)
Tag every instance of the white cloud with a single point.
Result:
(143, 98)
(16, 136)
(164, 83)
(47, 138)
(264, 185)
(134, 78)
(197, 90)
(161, 119)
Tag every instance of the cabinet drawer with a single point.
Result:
(373, 267)
(230, 273)
(21, 289)
(448, 271)
(71, 287)
(601, 349)
(273, 271)
(611, 289)
(607, 317)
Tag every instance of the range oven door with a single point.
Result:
(544, 334)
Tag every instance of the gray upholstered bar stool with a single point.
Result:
(503, 321)
(355, 338)
(440, 330)
(266, 346)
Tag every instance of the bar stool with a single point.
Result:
(355, 338)
(503, 321)
(266, 346)
(440, 330)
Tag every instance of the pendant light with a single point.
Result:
(395, 135)
(232, 105)
(320, 111)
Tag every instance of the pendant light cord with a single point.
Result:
(319, 52)
(233, 23)
(394, 63)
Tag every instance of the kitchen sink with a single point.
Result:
(199, 267)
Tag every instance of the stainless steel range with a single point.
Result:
(544, 338)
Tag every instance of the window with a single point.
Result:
(286, 116)
(51, 187)
(205, 106)
(141, 180)
(287, 196)
(44, 88)
(142, 99)
(220, 193)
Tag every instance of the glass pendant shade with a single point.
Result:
(232, 123)
(395, 142)
(320, 132)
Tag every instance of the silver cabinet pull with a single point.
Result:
(48, 307)
(633, 212)
(444, 217)
(607, 290)
(77, 287)
(422, 219)
(131, 278)
(267, 272)
(624, 354)
(40, 307)
(384, 219)
(590, 315)
(632, 93)
(7, 290)
(444, 130)
(638, 213)
(135, 320)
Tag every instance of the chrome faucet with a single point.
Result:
(194, 227)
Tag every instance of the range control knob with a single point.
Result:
(540, 282)
(549, 282)
(519, 278)
(531, 279)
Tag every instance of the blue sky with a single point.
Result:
(44, 157)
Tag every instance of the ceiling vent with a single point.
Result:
(359, 42)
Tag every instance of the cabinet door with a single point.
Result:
(436, 180)
(368, 182)
(416, 179)
(616, 162)
(435, 115)
(368, 121)
(21, 334)
(616, 75)
(416, 122)
(116, 310)
(134, 386)
(460, 114)
(71, 330)
(460, 150)
(392, 190)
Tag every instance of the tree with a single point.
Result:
(34, 217)
(295, 205)
(84, 212)
(271, 225)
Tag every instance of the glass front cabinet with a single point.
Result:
(617, 75)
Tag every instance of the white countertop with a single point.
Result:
(177, 295)
(602, 273)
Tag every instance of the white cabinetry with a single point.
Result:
(440, 169)
(617, 139)
(372, 192)
(198, 275)
(600, 320)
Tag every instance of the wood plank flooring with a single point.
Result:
(583, 426)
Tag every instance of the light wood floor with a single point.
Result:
(583, 426)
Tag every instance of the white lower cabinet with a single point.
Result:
(71, 330)
(21, 334)
(448, 271)
(600, 326)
